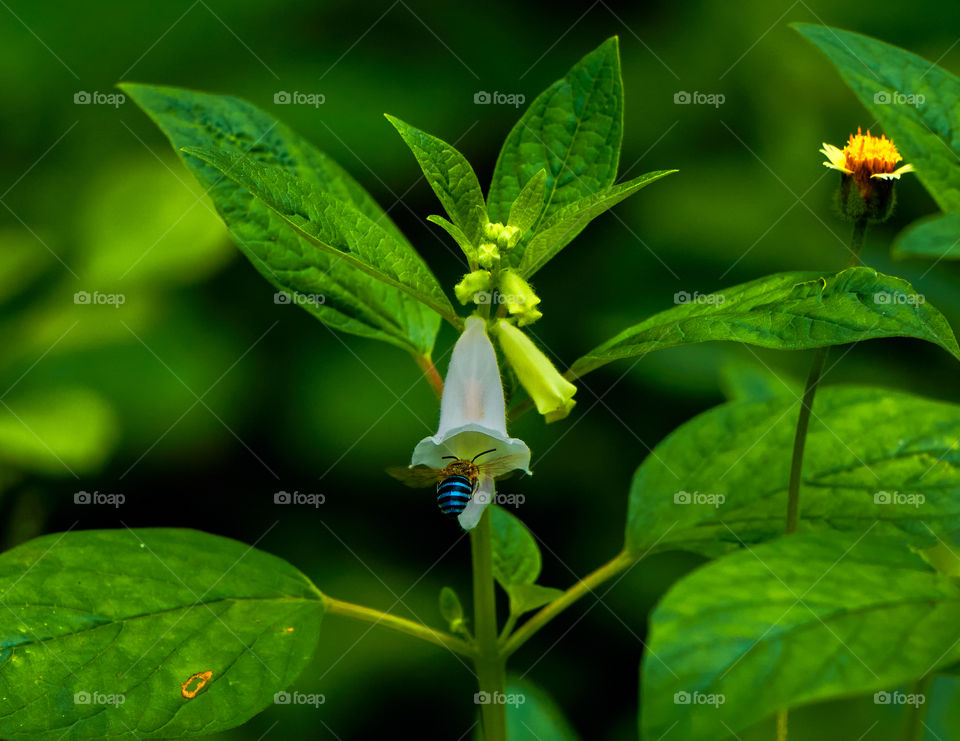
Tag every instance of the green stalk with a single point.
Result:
(488, 662)
(803, 424)
(386, 620)
(914, 727)
(806, 404)
(782, 718)
(800, 439)
(590, 582)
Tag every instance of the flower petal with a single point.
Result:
(466, 442)
(838, 167)
(472, 392)
(550, 391)
(472, 410)
(833, 154)
(478, 503)
(895, 175)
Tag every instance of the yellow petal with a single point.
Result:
(837, 167)
(551, 392)
(834, 156)
(895, 175)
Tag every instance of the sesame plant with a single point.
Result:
(827, 516)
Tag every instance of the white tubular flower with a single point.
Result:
(473, 419)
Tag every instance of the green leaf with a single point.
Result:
(469, 251)
(451, 177)
(516, 562)
(786, 311)
(802, 619)
(333, 226)
(452, 610)
(566, 223)
(526, 597)
(536, 717)
(525, 211)
(927, 132)
(936, 237)
(573, 130)
(352, 301)
(516, 556)
(58, 432)
(137, 613)
(873, 457)
(748, 381)
(943, 557)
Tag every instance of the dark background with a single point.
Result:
(96, 200)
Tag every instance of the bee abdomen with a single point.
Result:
(453, 493)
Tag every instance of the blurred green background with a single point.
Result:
(199, 397)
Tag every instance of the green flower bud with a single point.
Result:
(508, 238)
(488, 255)
(529, 317)
(492, 230)
(551, 392)
(472, 283)
(519, 297)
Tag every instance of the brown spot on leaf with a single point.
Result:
(197, 682)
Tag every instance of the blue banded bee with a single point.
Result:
(457, 481)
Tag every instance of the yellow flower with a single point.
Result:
(520, 298)
(866, 157)
(551, 392)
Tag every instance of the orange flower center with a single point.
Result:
(867, 155)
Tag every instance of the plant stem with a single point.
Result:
(800, 439)
(369, 615)
(425, 362)
(803, 424)
(520, 409)
(488, 661)
(782, 719)
(508, 628)
(587, 584)
(914, 728)
(806, 404)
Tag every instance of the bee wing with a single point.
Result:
(502, 466)
(417, 476)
